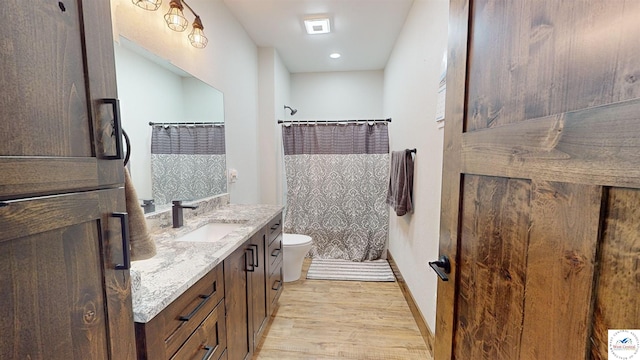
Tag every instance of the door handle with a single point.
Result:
(253, 266)
(117, 128)
(256, 258)
(442, 262)
(124, 233)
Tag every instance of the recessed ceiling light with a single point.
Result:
(317, 26)
(335, 55)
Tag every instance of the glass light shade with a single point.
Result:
(175, 18)
(197, 37)
(150, 5)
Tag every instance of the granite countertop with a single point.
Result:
(180, 264)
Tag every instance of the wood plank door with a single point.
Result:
(58, 120)
(541, 180)
(64, 280)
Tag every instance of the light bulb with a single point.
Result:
(175, 18)
(197, 37)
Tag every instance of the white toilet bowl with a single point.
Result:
(295, 246)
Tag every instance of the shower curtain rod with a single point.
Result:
(329, 121)
(185, 123)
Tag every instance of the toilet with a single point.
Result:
(295, 246)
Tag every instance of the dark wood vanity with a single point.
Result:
(225, 313)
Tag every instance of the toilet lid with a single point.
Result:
(295, 239)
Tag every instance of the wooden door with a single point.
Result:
(541, 179)
(237, 299)
(58, 122)
(64, 296)
(259, 284)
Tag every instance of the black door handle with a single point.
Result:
(124, 233)
(256, 258)
(442, 262)
(253, 266)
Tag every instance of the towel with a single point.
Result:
(400, 192)
(142, 246)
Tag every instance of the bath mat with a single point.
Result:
(333, 269)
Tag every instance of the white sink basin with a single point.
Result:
(210, 233)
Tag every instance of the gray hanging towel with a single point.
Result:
(400, 192)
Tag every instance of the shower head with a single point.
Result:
(293, 111)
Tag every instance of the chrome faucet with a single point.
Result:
(178, 219)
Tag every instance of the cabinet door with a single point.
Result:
(57, 127)
(64, 278)
(237, 294)
(258, 284)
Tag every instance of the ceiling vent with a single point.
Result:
(317, 26)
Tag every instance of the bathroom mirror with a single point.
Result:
(151, 89)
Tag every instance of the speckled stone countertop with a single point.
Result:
(180, 264)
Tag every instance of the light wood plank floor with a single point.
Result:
(319, 319)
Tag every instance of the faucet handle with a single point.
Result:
(178, 203)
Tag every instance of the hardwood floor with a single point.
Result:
(319, 319)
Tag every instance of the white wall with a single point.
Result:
(274, 93)
(343, 95)
(411, 81)
(228, 63)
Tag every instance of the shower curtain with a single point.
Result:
(337, 177)
(187, 162)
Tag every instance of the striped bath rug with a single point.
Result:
(334, 269)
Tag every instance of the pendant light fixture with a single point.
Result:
(175, 17)
(197, 37)
(151, 5)
(176, 20)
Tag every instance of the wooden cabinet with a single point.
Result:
(226, 312)
(274, 257)
(63, 271)
(254, 282)
(238, 295)
(190, 327)
(258, 285)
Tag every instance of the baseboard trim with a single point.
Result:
(426, 333)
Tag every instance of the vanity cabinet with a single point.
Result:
(249, 294)
(238, 296)
(223, 315)
(274, 256)
(259, 285)
(64, 269)
(191, 327)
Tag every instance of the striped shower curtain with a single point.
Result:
(187, 162)
(337, 177)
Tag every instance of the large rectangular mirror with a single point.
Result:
(182, 159)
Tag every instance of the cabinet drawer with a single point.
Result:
(275, 284)
(274, 252)
(274, 228)
(161, 337)
(209, 340)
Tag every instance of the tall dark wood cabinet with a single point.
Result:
(63, 272)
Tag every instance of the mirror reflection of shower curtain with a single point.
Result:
(187, 162)
(337, 178)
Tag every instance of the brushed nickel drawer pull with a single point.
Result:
(276, 252)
